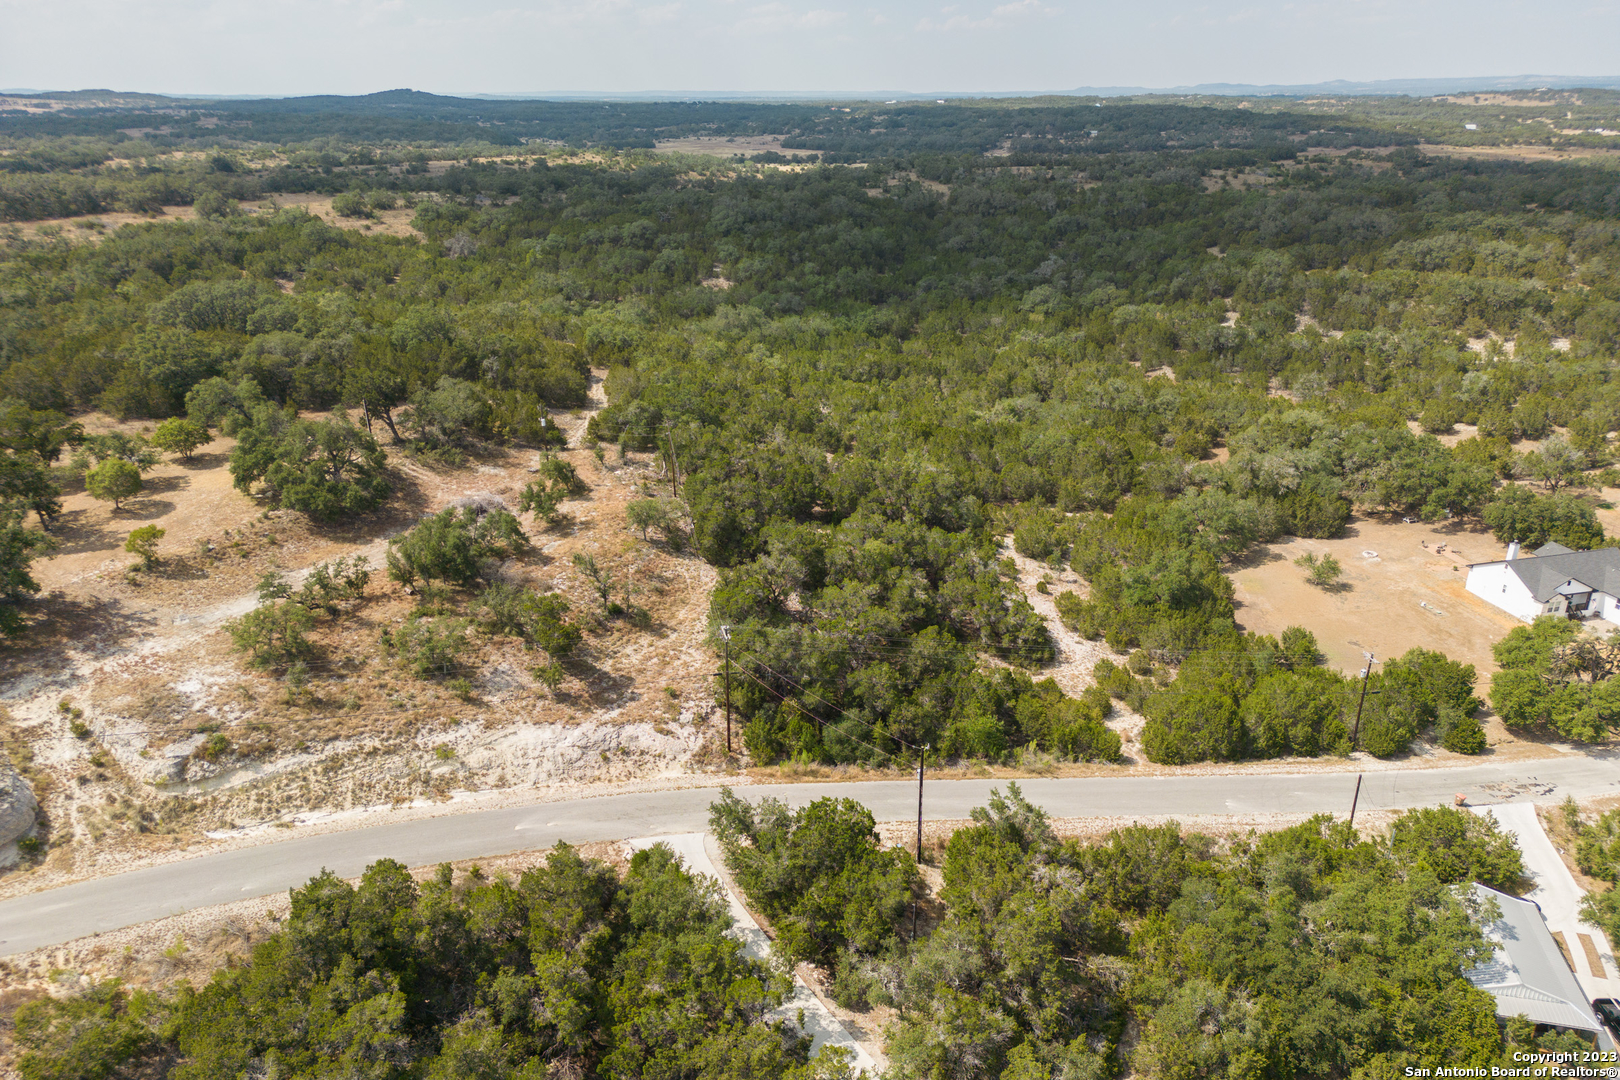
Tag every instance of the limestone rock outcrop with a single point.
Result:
(18, 806)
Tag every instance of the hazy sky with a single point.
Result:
(521, 46)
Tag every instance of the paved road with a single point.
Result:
(73, 911)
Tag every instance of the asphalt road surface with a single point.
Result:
(74, 911)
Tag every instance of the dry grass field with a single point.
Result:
(1399, 592)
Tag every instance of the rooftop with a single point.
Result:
(1556, 568)
(1528, 975)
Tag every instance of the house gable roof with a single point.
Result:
(1546, 575)
(1528, 975)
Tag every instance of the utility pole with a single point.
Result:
(1355, 799)
(725, 634)
(920, 761)
(921, 751)
(1366, 677)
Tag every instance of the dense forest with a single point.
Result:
(1302, 952)
(1138, 364)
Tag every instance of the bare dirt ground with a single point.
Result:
(388, 222)
(725, 145)
(146, 660)
(1523, 153)
(1405, 594)
(93, 228)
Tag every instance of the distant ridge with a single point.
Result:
(1345, 88)
(1334, 88)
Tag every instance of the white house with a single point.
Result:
(1554, 581)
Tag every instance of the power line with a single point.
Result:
(870, 727)
(769, 690)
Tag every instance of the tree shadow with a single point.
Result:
(164, 485)
(602, 688)
(74, 535)
(1258, 556)
(144, 510)
(178, 568)
(58, 621)
(204, 461)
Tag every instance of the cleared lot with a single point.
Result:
(1406, 594)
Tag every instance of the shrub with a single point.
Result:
(1322, 572)
(453, 545)
(600, 578)
(87, 1036)
(179, 435)
(273, 634)
(324, 587)
(1597, 852)
(143, 542)
(214, 747)
(1464, 736)
(663, 514)
(1198, 725)
(429, 646)
(820, 874)
(1081, 616)
(352, 204)
(114, 480)
(539, 619)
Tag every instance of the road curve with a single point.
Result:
(74, 911)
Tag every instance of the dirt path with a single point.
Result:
(1075, 655)
(595, 402)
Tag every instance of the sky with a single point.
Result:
(781, 46)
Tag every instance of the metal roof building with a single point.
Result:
(1528, 975)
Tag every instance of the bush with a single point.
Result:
(87, 1036)
(324, 587)
(114, 480)
(663, 514)
(539, 619)
(1322, 572)
(1597, 851)
(1199, 725)
(143, 542)
(178, 435)
(1464, 736)
(820, 874)
(273, 634)
(429, 646)
(352, 204)
(454, 545)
